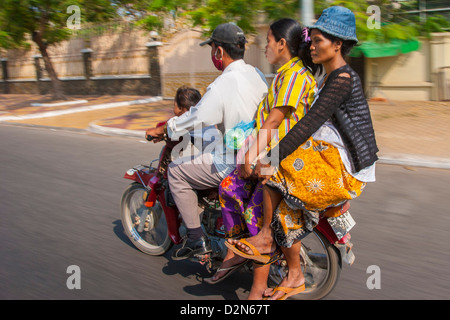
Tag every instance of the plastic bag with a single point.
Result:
(235, 138)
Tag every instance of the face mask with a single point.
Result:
(217, 63)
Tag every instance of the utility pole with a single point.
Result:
(422, 14)
(307, 12)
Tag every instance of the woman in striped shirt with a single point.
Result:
(289, 98)
(326, 159)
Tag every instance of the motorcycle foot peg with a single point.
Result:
(202, 258)
(205, 260)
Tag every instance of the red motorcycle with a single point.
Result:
(153, 224)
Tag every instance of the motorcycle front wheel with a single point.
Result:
(145, 227)
(321, 267)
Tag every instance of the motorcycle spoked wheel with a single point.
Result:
(145, 227)
(321, 266)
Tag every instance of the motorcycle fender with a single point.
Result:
(140, 176)
(172, 219)
(346, 252)
(325, 228)
(343, 245)
(150, 197)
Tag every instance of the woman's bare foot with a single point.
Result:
(264, 243)
(257, 293)
(292, 280)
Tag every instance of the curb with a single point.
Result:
(415, 161)
(81, 109)
(94, 128)
(68, 103)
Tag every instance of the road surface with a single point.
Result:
(60, 194)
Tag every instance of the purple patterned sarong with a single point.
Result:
(241, 202)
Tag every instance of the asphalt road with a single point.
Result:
(59, 207)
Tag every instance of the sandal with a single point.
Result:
(262, 258)
(275, 256)
(288, 292)
(226, 275)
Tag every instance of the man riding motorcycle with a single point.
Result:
(233, 97)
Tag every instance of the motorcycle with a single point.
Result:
(152, 222)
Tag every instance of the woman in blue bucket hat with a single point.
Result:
(324, 160)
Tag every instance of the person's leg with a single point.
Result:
(253, 217)
(295, 277)
(184, 178)
(260, 278)
(234, 192)
(262, 204)
(253, 214)
(263, 241)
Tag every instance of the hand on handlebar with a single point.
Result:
(154, 134)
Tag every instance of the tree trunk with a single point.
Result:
(57, 89)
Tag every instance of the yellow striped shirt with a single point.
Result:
(293, 86)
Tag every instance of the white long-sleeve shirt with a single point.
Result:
(233, 97)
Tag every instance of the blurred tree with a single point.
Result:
(45, 22)
(150, 14)
(207, 14)
(395, 22)
(247, 14)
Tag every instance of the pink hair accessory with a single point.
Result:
(305, 35)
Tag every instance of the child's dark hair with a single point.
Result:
(291, 31)
(187, 97)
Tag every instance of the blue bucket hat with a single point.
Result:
(337, 21)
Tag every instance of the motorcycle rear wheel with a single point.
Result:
(321, 265)
(145, 227)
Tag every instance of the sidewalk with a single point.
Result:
(411, 133)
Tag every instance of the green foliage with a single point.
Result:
(151, 22)
(276, 9)
(436, 23)
(19, 18)
(207, 14)
(215, 12)
(97, 10)
(247, 14)
(150, 14)
(5, 40)
(396, 23)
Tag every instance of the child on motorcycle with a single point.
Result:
(185, 98)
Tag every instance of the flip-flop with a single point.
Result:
(226, 275)
(274, 256)
(263, 258)
(288, 292)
